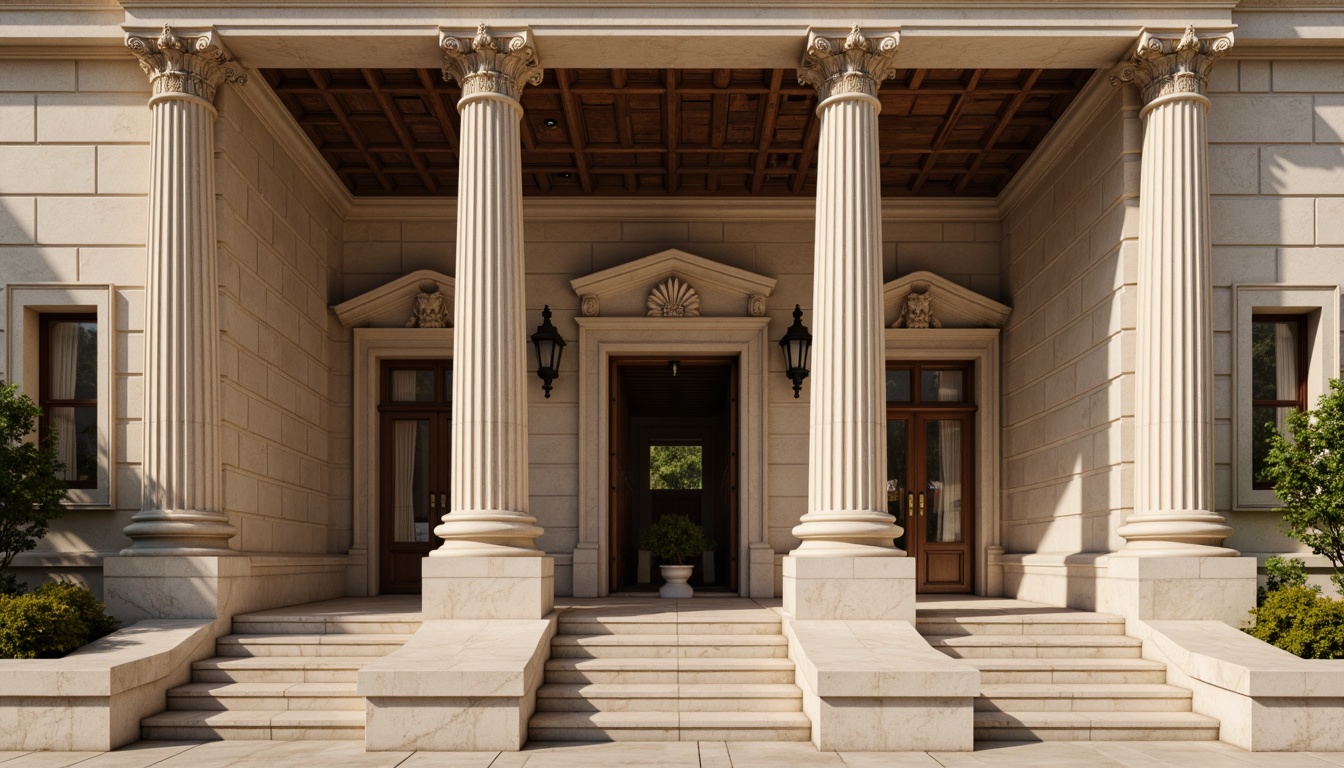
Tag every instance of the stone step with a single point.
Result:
(1037, 646)
(265, 624)
(273, 725)
(938, 622)
(669, 646)
(1136, 697)
(639, 625)
(309, 645)
(670, 726)
(266, 696)
(673, 670)
(1098, 671)
(669, 697)
(1094, 726)
(279, 669)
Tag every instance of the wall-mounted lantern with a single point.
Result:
(797, 346)
(549, 346)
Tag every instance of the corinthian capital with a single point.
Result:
(191, 65)
(481, 64)
(855, 64)
(1167, 64)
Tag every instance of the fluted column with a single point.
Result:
(488, 501)
(180, 505)
(1173, 409)
(846, 509)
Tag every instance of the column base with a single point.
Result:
(850, 588)
(487, 587)
(843, 533)
(180, 533)
(1176, 534)
(1185, 588)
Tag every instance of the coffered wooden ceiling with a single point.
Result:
(690, 132)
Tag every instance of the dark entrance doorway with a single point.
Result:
(931, 469)
(415, 434)
(673, 451)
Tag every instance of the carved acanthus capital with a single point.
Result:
(1165, 65)
(191, 64)
(855, 64)
(483, 64)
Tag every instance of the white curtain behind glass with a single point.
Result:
(949, 444)
(1285, 369)
(64, 362)
(403, 438)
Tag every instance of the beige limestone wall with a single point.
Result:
(74, 174)
(284, 360)
(1068, 348)
(376, 252)
(1276, 174)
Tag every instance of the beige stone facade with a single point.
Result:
(1101, 303)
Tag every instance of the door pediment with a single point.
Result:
(951, 305)
(673, 283)
(417, 300)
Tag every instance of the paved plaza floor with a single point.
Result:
(704, 754)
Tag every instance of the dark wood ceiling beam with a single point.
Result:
(394, 119)
(355, 138)
(625, 129)
(766, 131)
(1005, 117)
(949, 124)
(671, 127)
(805, 158)
(574, 124)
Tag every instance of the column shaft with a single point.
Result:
(1173, 409)
(180, 505)
(489, 497)
(846, 510)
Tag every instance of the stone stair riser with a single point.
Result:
(969, 628)
(998, 677)
(1095, 734)
(244, 650)
(248, 627)
(635, 676)
(667, 734)
(617, 704)
(671, 652)
(1029, 652)
(207, 733)
(244, 703)
(1081, 705)
(660, 628)
(276, 676)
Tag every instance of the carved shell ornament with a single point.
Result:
(673, 298)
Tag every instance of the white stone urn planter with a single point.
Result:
(676, 586)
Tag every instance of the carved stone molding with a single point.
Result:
(674, 298)
(387, 305)
(854, 65)
(756, 305)
(917, 312)
(480, 64)
(589, 305)
(190, 64)
(1164, 65)
(430, 309)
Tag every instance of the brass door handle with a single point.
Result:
(910, 505)
(921, 505)
(443, 500)
(432, 498)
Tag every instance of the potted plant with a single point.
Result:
(673, 539)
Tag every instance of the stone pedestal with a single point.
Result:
(849, 588)
(1173, 411)
(1179, 588)
(488, 501)
(180, 507)
(487, 587)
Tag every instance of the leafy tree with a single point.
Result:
(676, 467)
(31, 488)
(1307, 469)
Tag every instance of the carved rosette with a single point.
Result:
(1166, 65)
(481, 64)
(855, 65)
(756, 305)
(192, 65)
(673, 298)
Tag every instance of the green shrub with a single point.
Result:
(1281, 573)
(50, 622)
(674, 538)
(31, 488)
(1300, 620)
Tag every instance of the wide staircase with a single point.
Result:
(1051, 674)
(641, 669)
(286, 674)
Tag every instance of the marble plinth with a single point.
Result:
(488, 587)
(844, 588)
(1188, 588)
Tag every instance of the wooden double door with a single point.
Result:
(931, 470)
(415, 438)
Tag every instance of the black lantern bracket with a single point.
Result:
(549, 346)
(797, 346)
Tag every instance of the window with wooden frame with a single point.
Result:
(1278, 382)
(68, 393)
